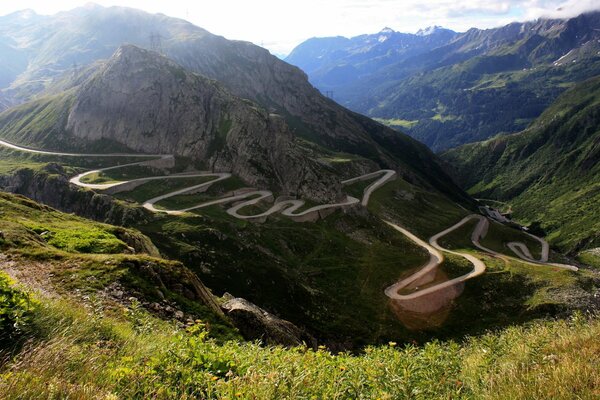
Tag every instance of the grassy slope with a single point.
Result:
(83, 347)
(330, 276)
(81, 256)
(549, 172)
(89, 354)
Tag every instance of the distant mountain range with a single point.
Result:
(446, 88)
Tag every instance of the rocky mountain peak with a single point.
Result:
(150, 104)
(430, 30)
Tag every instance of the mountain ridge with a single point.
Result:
(450, 94)
(548, 172)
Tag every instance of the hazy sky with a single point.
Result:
(279, 25)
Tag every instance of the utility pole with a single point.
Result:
(329, 93)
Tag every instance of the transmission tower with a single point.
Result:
(75, 69)
(156, 42)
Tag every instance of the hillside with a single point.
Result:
(81, 317)
(548, 173)
(60, 53)
(329, 276)
(143, 102)
(469, 86)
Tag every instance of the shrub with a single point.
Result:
(15, 310)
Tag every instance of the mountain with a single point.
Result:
(227, 106)
(146, 103)
(469, 86)
(338, 62)
(68, 43)
(549, 173)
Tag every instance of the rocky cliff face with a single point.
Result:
(51, 187)
(150, 104)
(255, 323)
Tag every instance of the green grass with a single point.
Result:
(590, 257)
(90, 354)
(215, 191)
(85, 256)
(357, 189)
(444, 118)
(25, 220)
(122, 174)
(499, 235)
(158, 187)
(13, 160)
(424, 213)
(395, 122)
(16, 307)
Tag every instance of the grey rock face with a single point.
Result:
(152, 105)
(54, 190)
(257, 324)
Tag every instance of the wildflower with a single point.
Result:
(214, 378)
(238, 394)
(342, 368)
(392, 344)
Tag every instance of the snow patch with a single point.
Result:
(430, 30)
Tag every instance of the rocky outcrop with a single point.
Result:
(147, 103)
(51, 186)
(254, 323)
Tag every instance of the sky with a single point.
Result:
(280, 25)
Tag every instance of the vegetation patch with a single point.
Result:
(81, 353)
(16, 308)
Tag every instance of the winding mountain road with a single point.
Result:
(436, 258)
(290, 207)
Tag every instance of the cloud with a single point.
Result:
(279, 25)
(563, 9)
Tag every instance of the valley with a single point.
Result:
(390, 215)
(405, 293)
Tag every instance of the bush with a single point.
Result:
(16, 307)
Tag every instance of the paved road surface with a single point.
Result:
(436, 257)
(288, 208)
